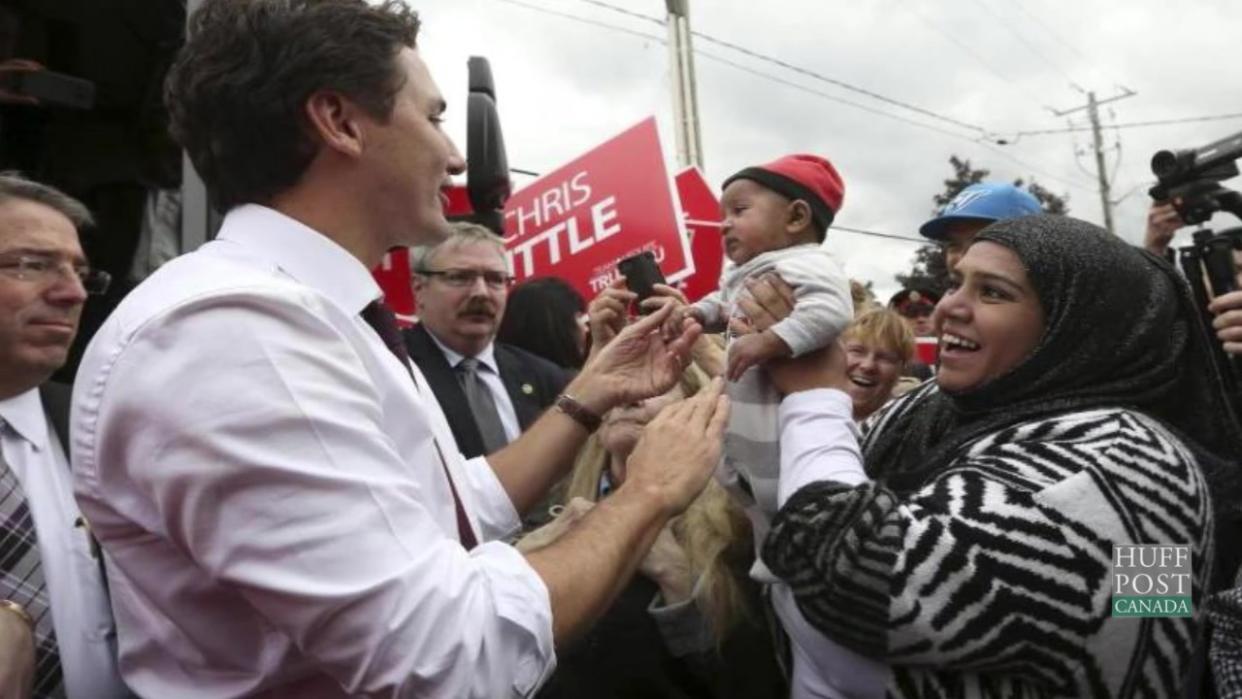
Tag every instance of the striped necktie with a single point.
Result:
(21, 579)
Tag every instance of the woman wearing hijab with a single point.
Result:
(1076, 408)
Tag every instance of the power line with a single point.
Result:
(803, 71)
(627, 13)
(733, 64)
(1022, 38)
(1131, 125)
(841, 84)
(968, 50)
(978, 141)
(1054, 33)
(584, 20)
(929, 127)
(877, 234)
(832, 98)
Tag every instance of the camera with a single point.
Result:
(642, 273)
(1191, 179)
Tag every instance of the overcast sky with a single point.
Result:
(565, 85)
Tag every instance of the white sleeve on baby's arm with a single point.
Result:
(819, 441)
(822, 302)
(713, 310)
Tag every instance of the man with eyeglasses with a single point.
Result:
(57, 636)
(490, 392)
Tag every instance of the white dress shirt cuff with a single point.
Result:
(492, 511)
(521, 597)
(819, 441)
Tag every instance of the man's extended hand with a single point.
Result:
(679, 449)
(639, 363)
(16, 656)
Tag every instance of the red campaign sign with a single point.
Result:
(612, 202)
(393, 276)
(702, 215)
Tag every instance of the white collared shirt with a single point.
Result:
(264, 477)
(81, 616)
(819, 443)
(489, 371)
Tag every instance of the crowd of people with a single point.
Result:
(260, 486)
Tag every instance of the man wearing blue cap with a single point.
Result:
(972, 210)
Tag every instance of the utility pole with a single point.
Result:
(1093, 113)
(685, 97)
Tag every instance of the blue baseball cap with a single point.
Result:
(986, 201)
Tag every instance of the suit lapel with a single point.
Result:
(443, 383)
(521, 387)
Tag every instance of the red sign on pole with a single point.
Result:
(614, 201)
(702, 215)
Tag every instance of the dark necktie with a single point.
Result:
(21, 579)
(482, 405)
(381, 318)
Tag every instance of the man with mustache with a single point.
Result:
(489, 391)
(56, 629)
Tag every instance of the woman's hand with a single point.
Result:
(770, 301)
(608, 312)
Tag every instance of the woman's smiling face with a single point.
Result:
(989, 322)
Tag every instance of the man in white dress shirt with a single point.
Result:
(56, 632)
(268, 473)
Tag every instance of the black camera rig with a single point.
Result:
(1191, 181)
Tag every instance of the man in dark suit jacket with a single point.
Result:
(490, 392)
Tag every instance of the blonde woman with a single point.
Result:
(689, 624)
(878, 347)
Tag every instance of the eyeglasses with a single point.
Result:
(36, 268)
(465, 278)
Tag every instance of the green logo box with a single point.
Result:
(1152, 580)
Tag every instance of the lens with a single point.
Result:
(1166, 163)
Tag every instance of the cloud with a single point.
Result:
(565, 86)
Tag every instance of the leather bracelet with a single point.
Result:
(19, 610)
(578, 412)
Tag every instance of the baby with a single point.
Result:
(775, 219)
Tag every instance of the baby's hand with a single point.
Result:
(752, 350)
(677, 319)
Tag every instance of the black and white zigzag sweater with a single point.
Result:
(994, 580)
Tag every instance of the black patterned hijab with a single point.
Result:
(1121, 331)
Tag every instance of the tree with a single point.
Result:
(963, 176)
(929, 271)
